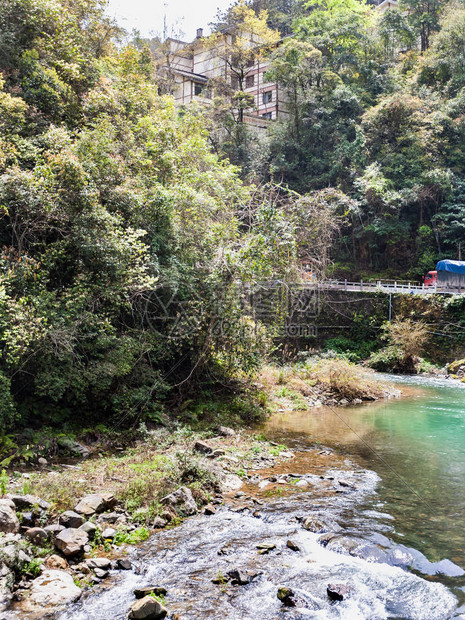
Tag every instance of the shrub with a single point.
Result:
(346, 379)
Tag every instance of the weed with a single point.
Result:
(3, 483)
(131, 538)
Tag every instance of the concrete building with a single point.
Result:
(200, 71)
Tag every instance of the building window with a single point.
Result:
(267, 115)
(198, 88)
(249, 81)
(268, 97)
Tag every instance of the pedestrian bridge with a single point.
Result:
(390, 286)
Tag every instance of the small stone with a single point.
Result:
(216, 453)
(338, 591)
(291, 545)
(202, 447)
(159, 523)
(109, 533)
(100, 573)
(265, 548)
(71, 519)
(239, 494)
(301, 483)
(42, 462)
(71, 542)
(36, 535)
(147, 608)
(56, 562)
(123, 564)
(101, 563)
(240, 577)
(313, 524)
(209, 510)
(83, 568)
(157, 590)
(28, 519)
(286, 596)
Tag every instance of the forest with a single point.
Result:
(127, 225)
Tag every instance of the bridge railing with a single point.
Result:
(401, 286)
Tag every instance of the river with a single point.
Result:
(395, 505)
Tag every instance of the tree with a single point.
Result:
(423, 17)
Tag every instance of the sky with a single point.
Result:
(183, 17)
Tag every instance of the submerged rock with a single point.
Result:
(291, 545)
(286, 596)
(157, 590)
(338, 591)
(147, 608)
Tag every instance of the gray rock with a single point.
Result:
(9, 522)
(157, 590)
(109, 517)
(230, 482)
(71, 519)
(28, 519)
(102, 563)
(28, 502)
(14, 557)
(71, 542)
(313, 524)
(90, 504)
(226, 431)
(36, 535)
(52, 588)
(158, 523)
(292, 545)
(54, 529)
(123, 564)
(182, 501)
(147, 608)
(89, 528)
(109, 532)
(101, 573)
(6, 583)
(202, 447)
(42, 462)
(338, 591)
(209, 510)
(240, 577)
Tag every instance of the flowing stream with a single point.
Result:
(393, 504)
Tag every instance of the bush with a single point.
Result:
(346, 379)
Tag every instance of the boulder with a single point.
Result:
(182, 501)
(52, 588)
(56, 562)
(6, 583)
(157, 590)
(109, 517)
(71, 542)
(36, 535)
(230, 482)
(123, 564)
(28, 502)
(338, 591)
(102, 563)
(90, 504)
(225, 431)
(71, 519)
(313, 524)
(54, 529)
(89, 528)
(14, 557)
(147, 608)
(202, 447)
(100, 573)
(9, 522)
